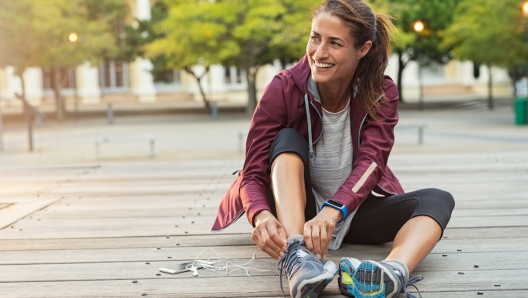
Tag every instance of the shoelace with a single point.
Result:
(410, 282)
(289, 261)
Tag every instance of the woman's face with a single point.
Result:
(332, 55)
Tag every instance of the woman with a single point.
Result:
(316, 151)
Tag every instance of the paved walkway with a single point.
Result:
(197, 137)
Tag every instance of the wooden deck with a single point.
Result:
(104, 230)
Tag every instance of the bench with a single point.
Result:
(104, 140)
(419, 127)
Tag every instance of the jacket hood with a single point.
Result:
(300, 73)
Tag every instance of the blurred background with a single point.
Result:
(84, 72)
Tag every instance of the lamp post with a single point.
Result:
(73, 38)
(418, 27)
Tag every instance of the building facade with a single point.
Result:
(123, 83)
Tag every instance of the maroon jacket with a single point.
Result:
(283, 105)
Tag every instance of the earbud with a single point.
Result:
(194, 271)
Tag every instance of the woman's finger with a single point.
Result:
(324, 242)
(316, 240)
(274, 241)
(307, 235)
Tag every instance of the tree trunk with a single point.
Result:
(1, 129)
(399, 80)
(20, 73)
(251, 74)
(59, 100)
(490, 88)
(200, 87)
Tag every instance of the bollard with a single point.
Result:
(110, 114)
(240, 142)
(214, 110)
(520, 111)
(151, 148)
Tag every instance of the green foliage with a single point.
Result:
(489, 32)
(36, 33)
(194, 30)
(425, 46)
(54, 20)
(245, 33)
(17, 39)
(437, 16)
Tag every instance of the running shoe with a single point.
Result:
(307, 275)
(369, 279)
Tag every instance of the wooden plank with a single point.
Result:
(204, 222)
(227, 238)
(75, 211)
(461, 262)
(14, 212)
(224, 239)
(439, 283)
(64, 212)
(203, 229)
(244, 247)
(490, 212)
(486, 233)
(489, 221)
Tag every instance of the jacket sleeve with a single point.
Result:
(269, 118)
(376, 141)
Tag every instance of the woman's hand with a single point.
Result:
(269, 235)
(318, 231)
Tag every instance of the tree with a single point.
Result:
(91, 20)
(17, 39)
(269, 30)
(245, 33)
(408, 45)
(57, 34)
(193, 32)
(490, 33)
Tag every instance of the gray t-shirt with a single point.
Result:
(332, 162)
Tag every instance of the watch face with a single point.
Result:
(337, 204)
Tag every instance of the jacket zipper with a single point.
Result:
(359, 142)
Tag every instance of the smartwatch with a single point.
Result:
(336, 205)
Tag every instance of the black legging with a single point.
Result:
(378, 219)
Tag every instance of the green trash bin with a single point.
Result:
(520, 111)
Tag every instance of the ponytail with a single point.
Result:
(371, 68)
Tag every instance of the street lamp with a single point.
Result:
(73, 37)
(418, 27)
(525, 8)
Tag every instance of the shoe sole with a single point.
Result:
(369, 280)
(311, 288)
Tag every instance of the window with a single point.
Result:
(113, 76)
(234, 77)
(434, 70)
(167, 81)
(167, 77)
(67, 78)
